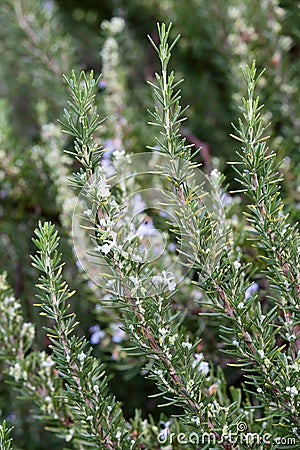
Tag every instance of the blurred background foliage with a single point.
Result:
(41, 40)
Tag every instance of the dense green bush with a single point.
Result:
(40, 45)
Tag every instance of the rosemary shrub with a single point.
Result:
(141, 275)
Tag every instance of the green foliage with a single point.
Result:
(85, 385)
(202, 311)
(5, 440)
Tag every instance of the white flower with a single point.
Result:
(173, 338)
(261, 353)
(187, 345)
(88, 212)
(118, 435)
(134, 280)
(292, 390)
(214, 173)
(115, 25)
(69, 435)
(156, 279)
(16, 372)
(163, 331)
(171, 285)
(48, 362)
(136, 258)
(106, 248)
(165, 278)
(233, 12)
(118, 154)
(81, 357)
(168, 278)
(28, 329)
(204, 367)
(102, 188)
(237, 265)
(190, 385)
(201, 365)
(108, 245)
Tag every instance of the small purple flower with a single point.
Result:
(118, 335)
(96, 334)
(251, 290)
(172, 247)
(102, 84)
